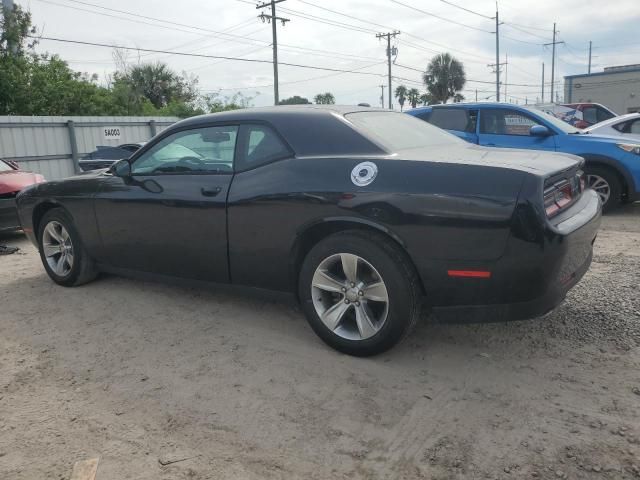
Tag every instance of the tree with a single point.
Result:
(413, 96)
(159, 84)
(445, 77)
(401, 95)
(425, 98)
(15, 28)
(324, 99)
(214, 102)
(295, 100)
(32, 84)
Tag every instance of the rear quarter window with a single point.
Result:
(458, 119)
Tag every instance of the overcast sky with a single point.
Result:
(313, 37)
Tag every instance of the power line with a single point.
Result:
(467, 10)
(304, 80)
(487, 82)
(359, 29)
(218, 34)
(525, 31)
(440, 17)
(239, 38)
(201, 55)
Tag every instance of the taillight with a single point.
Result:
(550, 202)
(582, 180)
(558, 196)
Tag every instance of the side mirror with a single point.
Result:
(539, 131)
(121, 168)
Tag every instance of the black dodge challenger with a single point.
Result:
(365, 215)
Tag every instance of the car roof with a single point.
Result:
(267, 113)
(479, 105)
(310, 130)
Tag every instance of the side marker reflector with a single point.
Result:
(469, 273)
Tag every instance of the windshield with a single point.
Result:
(4, 167)
(399, 131)
(556, 122)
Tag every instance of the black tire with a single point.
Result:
(405, 296)
(83, 269)
(615, 185)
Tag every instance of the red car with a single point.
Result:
(12, 180)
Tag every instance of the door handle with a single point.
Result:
(210, 191)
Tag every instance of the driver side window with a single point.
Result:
(199, 150)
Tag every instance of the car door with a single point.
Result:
(461, 122)
(507, 128)
(169, 216)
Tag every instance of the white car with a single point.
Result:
(627, 126)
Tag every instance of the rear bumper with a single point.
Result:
(532, 278)
(9, 214)
(537, 307)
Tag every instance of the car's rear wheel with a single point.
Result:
(607, 185)
(359, 292)
(62, 252)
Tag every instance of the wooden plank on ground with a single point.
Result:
(85, 469)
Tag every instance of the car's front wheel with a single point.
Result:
(359, 292)
(62, 252)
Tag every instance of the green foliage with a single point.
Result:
(15, 27)
(33, 84)
(413, 96)
(401, 95)
(324, 99)
(215, 102)
(445, 77)
(295, 100)
(426, 99)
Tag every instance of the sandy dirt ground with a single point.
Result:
(166, 382)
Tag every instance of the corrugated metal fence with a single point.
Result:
(52, 145)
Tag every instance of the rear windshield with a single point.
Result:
(399, 131)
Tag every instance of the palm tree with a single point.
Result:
(401, 95)
(425, 98)
(154, 81)
(444, 78)
(325, 98)
(413, 96)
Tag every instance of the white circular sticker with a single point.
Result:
(364, 173)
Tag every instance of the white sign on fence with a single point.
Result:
(111, 133)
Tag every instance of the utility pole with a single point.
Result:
(382, 95)
(272, 19)
(506, 77)
(542, 82)
(498, 67)
(476, 94)
(7, 12)
(388, 36)
(497, 54)
(589, 70)
(553, 59)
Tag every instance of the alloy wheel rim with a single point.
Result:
(350, 296)
(600, 186)
(58, 248)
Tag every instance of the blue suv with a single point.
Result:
(612, 163)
